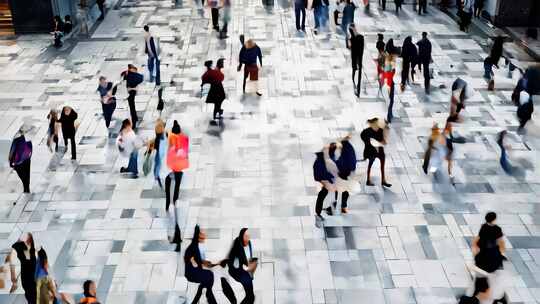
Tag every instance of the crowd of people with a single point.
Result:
(334, 168)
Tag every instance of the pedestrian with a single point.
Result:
(133, 79)
(383, 4)
(380, 43)
(160, 145)
(488, 73)
(489, 247)
(107, 92)
(214, 11)
(346, 165)
(439, 149)
(424, 59)
(398, 5)
(195, 260)
(322, 168)
(24, 249)
(151, 51)
(300, 12)
(69, 124)
(461, 91)
(388, 72)
(242, 264)
(503, 160)
(466, 13)
(58, 31)
(20, 155)
(356, 44)
(46, 292)
(409, 53)
(68, 25)
(248, 57)
(374, 138)
(497, 50)
(348, 18)
(52, 130)
(216, 94)
(101, 6)
(177, 161)
(226, 5)
(525, 110)
(129, 144)
(478, 7)
(422, 7)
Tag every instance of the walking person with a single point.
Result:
(19, 158)
(24, 249)
(195, 264)
(398, 5)
(388, 72)
(422, 7)
(216, 94)
(356, 44)
(496, 51)
(214, 11)
(160, 145)
(107, 93)
(346, 165)
(300, 12)
(177, 161)
(151, 51)
(481, 294)
(46, 292)
(424, 59)
(439, 149)
(374, 138)
(68, 122)
(409, 53)
(379, 62)
(466, 14)
(52, 130)
(242, 264)
(348, 18)
(226, 5)
(525, 110)
(461, 91)
(101, 6)
(248, 57)
(488, 73)
(133, 79)
(128, 144)
(322, 168)
(503, 160)
(489, 247)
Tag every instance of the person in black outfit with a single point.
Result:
(26, 253)
(380, 43)
(409, 53)
(346, 164)
(374, 134)
(195, 259)
(489, 247)
(398, 5)
(481, 294)
(422, 6)
(356, 43)
(497, 50)
(19, 157)
(68, 25)
(300, 9)
(133, 79)
(322, 175)
(383, 5)
(101, 6)
(67, 121)
(424, 58)
(242, 264)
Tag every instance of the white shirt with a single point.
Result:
(202, 250)
(247, 252)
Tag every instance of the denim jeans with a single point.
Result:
(151, 67)
(157, 165)
(323, 17)
(299, 9)
(132, 164)
(317, 17)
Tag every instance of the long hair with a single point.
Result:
(86, 289)
(176, 128)
(42, 258)
(125, 123)
(237, 243)
(194, 243)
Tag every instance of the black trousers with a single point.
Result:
(320, 200)
(244, 278)
(23, 171)
(73, 145)
(215, 17)
(132, 109)
(217, 108)
(392, 93)
(427, 76)
(30, 292)
(177, 180)
(405, 72)
(384, 5)
(101, 7)
(299, 9)
(108, 110)
(422, 6)
(359, 81)
(205, 278)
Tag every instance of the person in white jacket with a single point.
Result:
(129, 144)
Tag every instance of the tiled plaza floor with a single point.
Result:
(407, 244)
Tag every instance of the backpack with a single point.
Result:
(177, 154)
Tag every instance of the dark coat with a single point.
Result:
(424, 51)
(68, 123)
(357, 50)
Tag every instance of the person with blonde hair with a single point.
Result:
(160, 145)
(248, 57)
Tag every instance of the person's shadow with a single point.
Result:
(216, 128)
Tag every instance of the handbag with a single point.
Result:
(148, 162)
